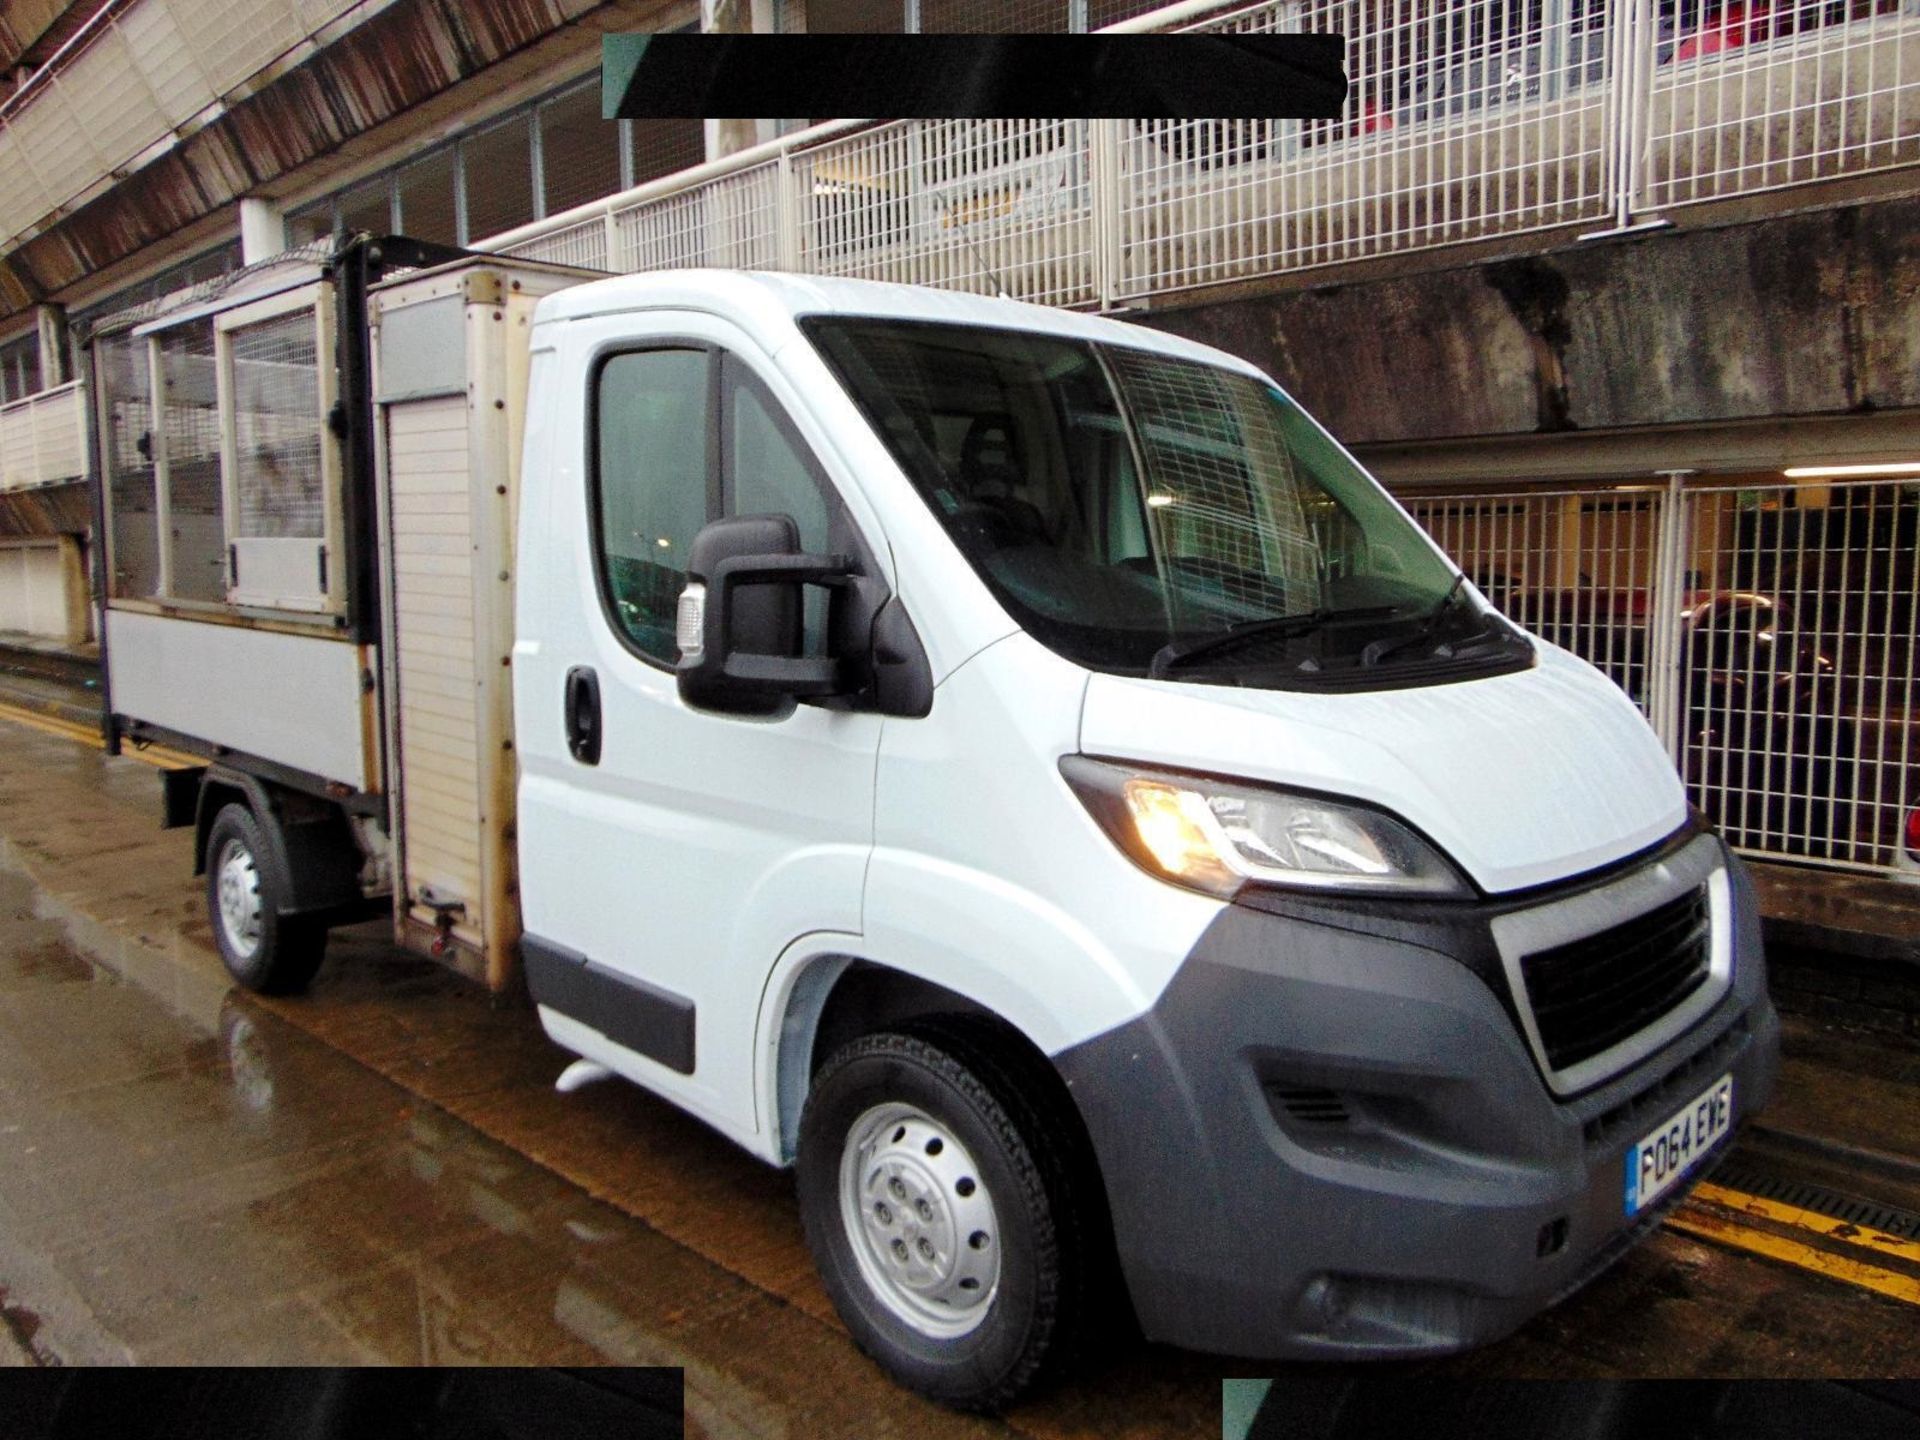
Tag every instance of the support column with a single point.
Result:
(263, 230)
(732, 134)
(51, 321)
(76, 594)
(1664, 681)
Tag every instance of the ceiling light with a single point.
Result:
(1835, 472)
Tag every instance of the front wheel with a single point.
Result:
(264, 950)
(935, 1197)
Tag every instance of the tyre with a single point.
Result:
(937, 1197)
(263, 949)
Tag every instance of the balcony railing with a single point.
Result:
(1478, 118)
(43, 438)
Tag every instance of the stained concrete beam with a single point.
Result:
(1809, 314)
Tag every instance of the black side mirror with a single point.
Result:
(739, 621)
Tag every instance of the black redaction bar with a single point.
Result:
(1148, 77)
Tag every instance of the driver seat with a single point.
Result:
(990, 475)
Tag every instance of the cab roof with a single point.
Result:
(767, 303)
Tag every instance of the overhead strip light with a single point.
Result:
(1837, 472)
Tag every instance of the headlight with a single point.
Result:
(1215, 835)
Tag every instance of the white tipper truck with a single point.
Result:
(1010, 765)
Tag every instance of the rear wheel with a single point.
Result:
(935, 1193)
(262, 949)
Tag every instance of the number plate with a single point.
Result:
(1672, 1148)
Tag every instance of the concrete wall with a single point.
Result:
(43, 589)
(1812, 314)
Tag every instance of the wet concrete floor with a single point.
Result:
(380, 1172)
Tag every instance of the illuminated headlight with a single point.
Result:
(1216, 836)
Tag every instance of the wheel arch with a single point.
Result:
(310, 845)
(831, 998)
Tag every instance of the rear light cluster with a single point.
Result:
(1913, 833)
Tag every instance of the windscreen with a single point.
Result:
(1149, 515)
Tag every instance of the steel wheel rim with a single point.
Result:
(237, 887)
(919, 1220)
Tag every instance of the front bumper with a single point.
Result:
(1330, 1138)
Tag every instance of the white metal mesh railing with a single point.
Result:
(1466, 119)
(43, 438)
(970, 204)
(1755, 97)
(1800, 696)
(1573, 566)
(1769, 632)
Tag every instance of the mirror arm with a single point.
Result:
(798, 677)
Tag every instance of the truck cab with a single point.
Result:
(1018, 769)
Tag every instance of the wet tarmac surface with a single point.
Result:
(380, 1172)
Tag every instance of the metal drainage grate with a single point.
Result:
(1751, 1179)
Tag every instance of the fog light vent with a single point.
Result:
(1553, 1238)
(1314, 1107)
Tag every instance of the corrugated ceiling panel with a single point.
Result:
(166, 64)
(316, 13)
(61, 155)
(27, 199)
(233, 38)
(121, 115)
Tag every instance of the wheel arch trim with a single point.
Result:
(794, 1001)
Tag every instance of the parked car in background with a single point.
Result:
(1769, 755)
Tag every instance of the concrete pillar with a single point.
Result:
(1568, 556)
(263, 229)
(51, 321)
(76, 596)
(779, 17)
(729, 135)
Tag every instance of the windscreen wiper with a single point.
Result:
(1179, 652)
(1382, 649)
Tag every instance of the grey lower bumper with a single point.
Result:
(1329, 1138)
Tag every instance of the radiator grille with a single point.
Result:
(1589, 995)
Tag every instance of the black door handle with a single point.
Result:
(583, 714)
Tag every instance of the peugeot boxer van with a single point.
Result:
(1012, 766)
(1018, 769)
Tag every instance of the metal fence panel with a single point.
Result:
(982, 205)
(730, 221)
(1464, 119)
(1467, 119)
(1576, 567)
(1755, 97)
(1768, 632)
(1798, 680)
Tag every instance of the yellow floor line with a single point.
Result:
(1864, 1237)
(156, 755)
(1711, 1225)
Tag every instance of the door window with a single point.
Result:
(659, 478)
(768, 470)
(651, 465)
